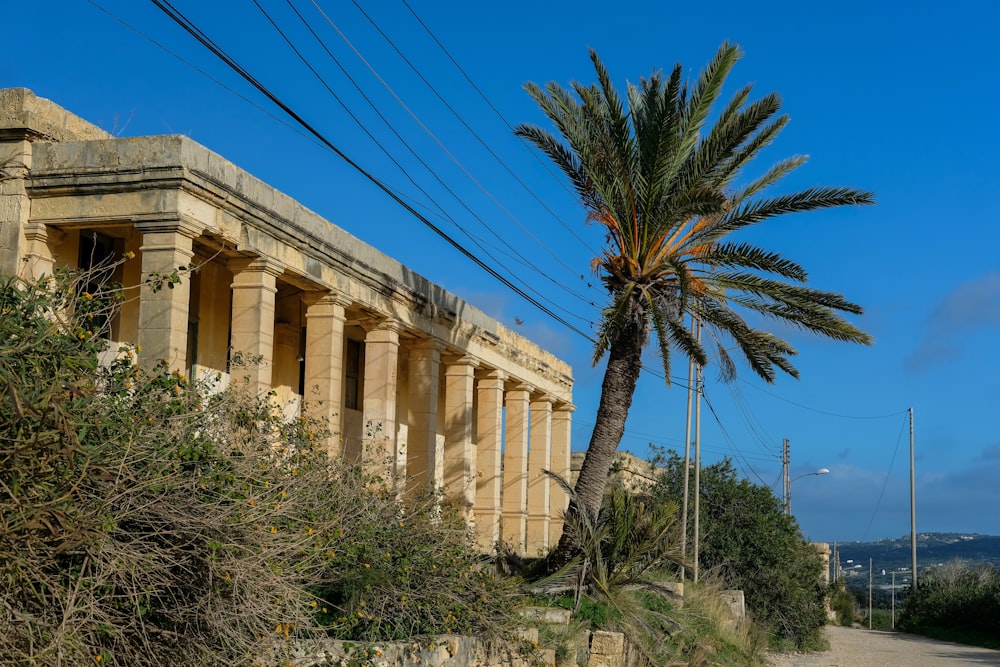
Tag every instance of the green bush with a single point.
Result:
(954, 598)
(842, 603)
(749, 543)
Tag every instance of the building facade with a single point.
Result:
(283, 301)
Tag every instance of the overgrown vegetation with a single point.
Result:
(146, 519)
(624, 579)
(749, 543)
(956, 603)
(618, 576)
(842, 603)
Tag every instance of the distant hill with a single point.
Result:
(932, 549)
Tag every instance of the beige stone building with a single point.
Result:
(340, 330)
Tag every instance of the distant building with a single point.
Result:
(341, 331)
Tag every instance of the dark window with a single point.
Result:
(352, 373)
(96, 258)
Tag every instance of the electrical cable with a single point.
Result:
(441, 210)
(451, 157)
(481, 141)
(207, 42)
(510, 127)
(885, 482)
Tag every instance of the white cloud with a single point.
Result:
(972, 307)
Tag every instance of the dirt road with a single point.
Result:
(852, 647)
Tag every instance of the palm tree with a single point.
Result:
(669, 190)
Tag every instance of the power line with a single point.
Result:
(514, 253)
(375, 140)
(821, 412)
(216, 50)
(478, 137)
(510, 127)
(885, 482)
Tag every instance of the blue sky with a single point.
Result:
(897, 101)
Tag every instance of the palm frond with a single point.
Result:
(747, 256)
(813, 199)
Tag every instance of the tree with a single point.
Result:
(751, 544)
(669, 191)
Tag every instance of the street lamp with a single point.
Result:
(788, 487)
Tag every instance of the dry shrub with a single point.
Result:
(149, 520)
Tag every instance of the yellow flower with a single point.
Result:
(313, 603)
(138, 348)
(274, 529)
(368, 566)
(88, 296)
(98, 657)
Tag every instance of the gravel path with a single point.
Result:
(853, 647)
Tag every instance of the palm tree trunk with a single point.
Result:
(617, 390)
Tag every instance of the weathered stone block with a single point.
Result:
(737, 603)
(551, 615)
(607, 649)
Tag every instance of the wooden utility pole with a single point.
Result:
(699, 387)
(894, 599)
(869, 593)
(913, 510)
(786, 490)
(687, 459)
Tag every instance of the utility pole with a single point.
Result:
(869, 593)
(698, 389)
(687, 459)
(786, 490)
(913, 509)
(894, 599)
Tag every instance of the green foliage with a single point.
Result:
(841, 602)
(146, 519)
(955, 599)
(750, 544)
(663, 172)
(880, 619)
(707, 633)
(617, 576)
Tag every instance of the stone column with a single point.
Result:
(424, 458)
(252, 340)
(489, 452)
(40, 239)
(15, 205)
(539, 460)
(324, 373)
(515, 467)
(562, 425)
(459, 450)
(379, 406)
(163, 308)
